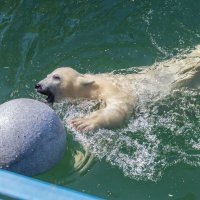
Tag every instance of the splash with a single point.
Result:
(164, 134)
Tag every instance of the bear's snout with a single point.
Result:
(41, 89)
(38, 86)
(46, 91)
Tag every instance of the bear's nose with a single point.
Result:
(38, 86)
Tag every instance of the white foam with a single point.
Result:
(163, 135)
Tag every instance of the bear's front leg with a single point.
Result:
(109, 117)
(90, 123)
(85, 124)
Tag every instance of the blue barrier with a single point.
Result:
(22, 187)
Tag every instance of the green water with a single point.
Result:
(157, 157)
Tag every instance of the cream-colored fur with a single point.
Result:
(117, 103)
(119, 94)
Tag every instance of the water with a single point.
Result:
(156, 155)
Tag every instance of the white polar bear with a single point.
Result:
(119, 94)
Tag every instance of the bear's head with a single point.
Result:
(62, 83)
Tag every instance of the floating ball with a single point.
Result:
(32, 137)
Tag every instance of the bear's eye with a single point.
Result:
(56, 77)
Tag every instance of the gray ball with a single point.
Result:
(32, 137)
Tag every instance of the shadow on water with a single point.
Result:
(77, 162)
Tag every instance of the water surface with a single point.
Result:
(156, 154)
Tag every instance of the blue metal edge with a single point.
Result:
(22, 187)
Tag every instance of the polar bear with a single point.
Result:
(119, 94)
(65, 82)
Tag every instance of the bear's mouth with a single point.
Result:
(50, 96)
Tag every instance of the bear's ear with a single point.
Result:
(84, 81)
